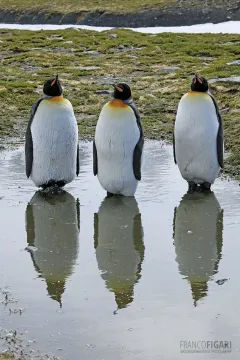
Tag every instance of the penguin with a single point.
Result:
(119, 246)
(198, 146)
(198, 240)
(52, 227)
(118, 144)
(51, 139)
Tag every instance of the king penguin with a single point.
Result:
(119, 246)
(51, 142)
(53, 226)
(198, 137)
(198, 240)
(118, 144)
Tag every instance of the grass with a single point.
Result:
(89, 62)
(110, 6)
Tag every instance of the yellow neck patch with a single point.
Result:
(117, 103)
(196, 93)
(56, 98)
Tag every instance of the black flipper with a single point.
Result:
(29, 141)
(77, 163)
(96, 232)
(219, 135)
(137, 154)
(78, 213)
(95, 160)
(174, 151)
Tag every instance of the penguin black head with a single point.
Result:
(199, 83)
(122, 91)
(52, 87)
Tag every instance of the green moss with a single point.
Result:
(110, 6)
(84, 5)
(89, 62)
(6, 357)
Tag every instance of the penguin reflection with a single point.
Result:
(52, 225)
(118, 241)
(198, 238)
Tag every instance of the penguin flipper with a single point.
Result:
(29, 140)
(137, 154)
(174, 151)
(220, 149)
(77, 162)
(28, 151)
(95, 160)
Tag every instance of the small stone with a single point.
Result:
(169, 68)
(103, 92)
(113, 36)
(235, 62)
(221, 281)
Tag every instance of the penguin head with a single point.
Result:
(52, 87)
(199, 83)
(122, 91)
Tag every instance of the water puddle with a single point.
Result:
(122, 278)
(228, 27)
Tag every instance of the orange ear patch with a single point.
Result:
(118, 88)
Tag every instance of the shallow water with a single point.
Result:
(120, 278)
(228, 27)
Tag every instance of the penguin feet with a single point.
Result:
(53, 187)
(192, 187)
(205, 187)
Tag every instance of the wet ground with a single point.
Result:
(119, 278)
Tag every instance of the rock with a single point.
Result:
(233, 79)
(169, 68)
(206, 11)
(235, 62)
(103, 92)
(112, 36)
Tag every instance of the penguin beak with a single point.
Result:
(197, 78)
(54, 81)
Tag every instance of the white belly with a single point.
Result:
(195, 132)
(55, 137)
(116, 136)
